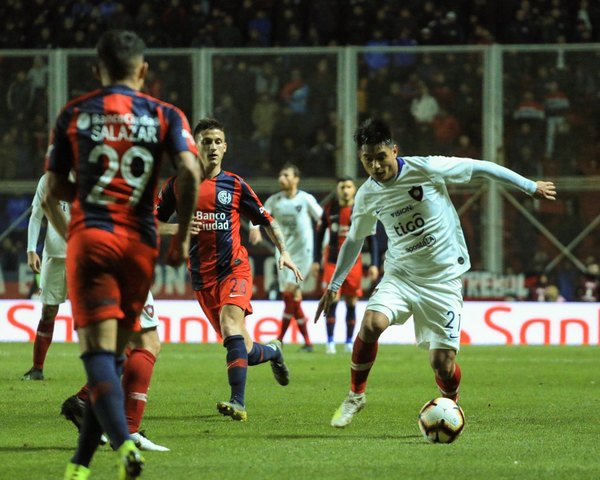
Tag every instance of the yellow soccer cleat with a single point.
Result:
(76, 472)
(131, 462)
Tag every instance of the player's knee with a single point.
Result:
(49, 313)
(373, 325)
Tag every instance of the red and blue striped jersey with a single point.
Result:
(217, 249)
(114, 139)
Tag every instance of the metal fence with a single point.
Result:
(535, 109)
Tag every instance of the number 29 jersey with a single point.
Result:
(114, 138)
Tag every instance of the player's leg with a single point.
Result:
(54, 292)
(235, 341)
(364, 353)
(330, 325)
(143, 350)
(301, 319)
(389, 305)
(447, 372)
(41, 344)
(437, 318)
(287, 295)
(351, 301)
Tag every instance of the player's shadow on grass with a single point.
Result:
(35, 449)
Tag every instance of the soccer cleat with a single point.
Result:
(307, 349)
(131, 462)
(233, 410)
(330, 348)
(144, 443)
(280, 370)
(72, 409)
(348, 347)
(353, 404)
(76, 472)
(33, 374)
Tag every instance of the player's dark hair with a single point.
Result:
(345, 178)
(294, 168)
(208, 124)
(118, 51)
(373, 131)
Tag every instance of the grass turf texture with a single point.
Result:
(532, 412)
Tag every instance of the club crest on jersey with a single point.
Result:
(416, 193)
(298, 208)
(224, 197)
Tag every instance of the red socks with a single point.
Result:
(363, 357)
(449, 388)
(136, 381)
(43, 339)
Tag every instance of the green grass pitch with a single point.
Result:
(532, 413)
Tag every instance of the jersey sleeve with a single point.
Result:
(59, 156)
(37, 214)
(364, 223)
(314, 208)
(252, 208)
(320, 234)
(179, 135)
(166, 201)
(445, 169)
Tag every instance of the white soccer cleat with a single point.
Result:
(348, 347)
(353, 404)
(330, 348)
(144, 443)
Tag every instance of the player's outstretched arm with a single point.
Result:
(545, 190)
(328, 297)
(276, 235)
(188, 179)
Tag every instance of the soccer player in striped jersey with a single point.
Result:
(336, 222)
(426, 254)
(53, 281)
(113, 139)
(219, 265)
(296, 211)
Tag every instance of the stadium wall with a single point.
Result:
(484, 323)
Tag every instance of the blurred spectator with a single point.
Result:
(446, 130)
(556, 105)
(9, 155)
(465, 148)
(357, 26)
(228, 34)
(531, 111)
(38, 78)
(295, 92)
(264, 116)
(424, 107)
(322, 84)
(321, 157)
(19, 97)
(589, 284)
(261, 24)
(266, 79)
(376, 60)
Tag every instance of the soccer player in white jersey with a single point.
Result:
(53, 283)
(426, 254)
(295, 210)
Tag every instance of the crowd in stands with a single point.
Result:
(280, 108)
(293, 23)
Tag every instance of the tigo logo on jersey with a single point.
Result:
(224, 197)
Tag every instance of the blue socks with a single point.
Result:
(262, 353)
(106, 398)
(237, 367)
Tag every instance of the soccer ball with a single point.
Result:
(441, 420)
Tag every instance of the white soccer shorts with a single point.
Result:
(53, 281)
(436, 308)
(148, 318)
(303, 261)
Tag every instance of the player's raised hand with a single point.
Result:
(194, 226)
(327, 299)
(286, 261)
(178, 250)
(545, 190)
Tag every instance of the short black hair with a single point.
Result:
(345, 178)
(208, 124)
(293, 167)
(373, 131)
(118, 51)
